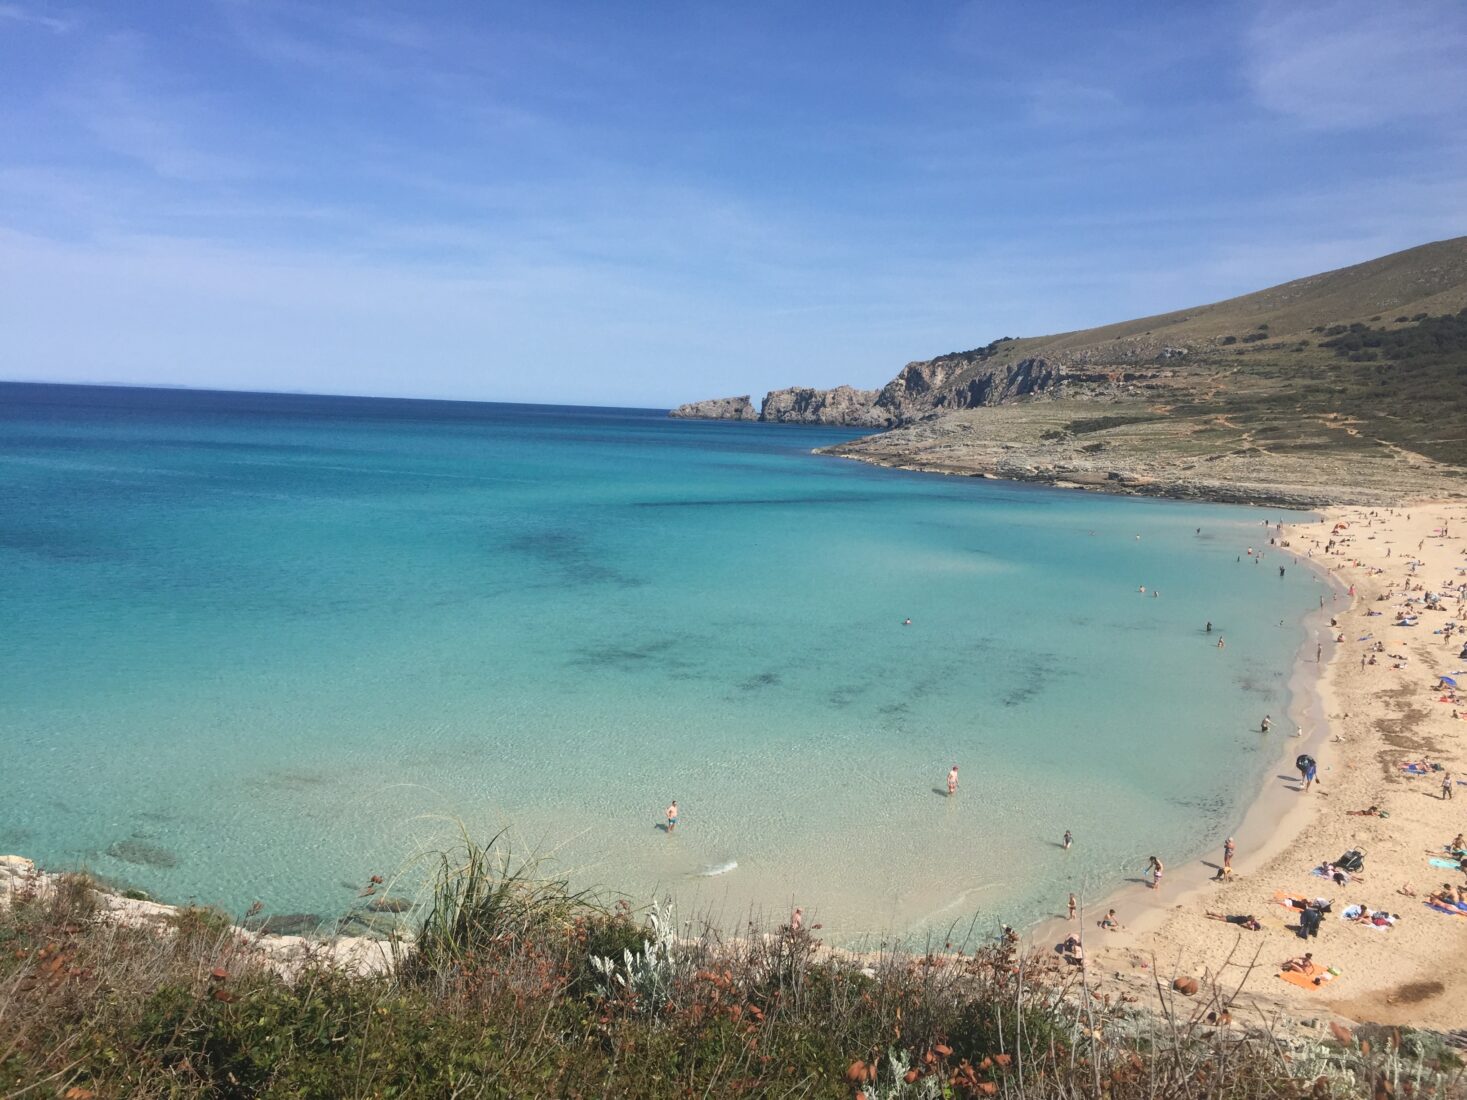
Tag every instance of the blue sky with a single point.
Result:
(646, 203)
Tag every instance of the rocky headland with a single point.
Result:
(1339, 388)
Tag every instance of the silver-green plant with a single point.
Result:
(644, 979)
(891, 1083)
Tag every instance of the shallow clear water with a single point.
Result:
(261, 646)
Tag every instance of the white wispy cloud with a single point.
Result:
(32, 16)
(133, 107)
(1348, 64)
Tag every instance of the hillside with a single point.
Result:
(1307, 385)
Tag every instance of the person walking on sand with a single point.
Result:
(1154, 865)
(952, 781)
(1073, 905)
(1447, 785)
(1069, 839)
(672, 816)
(1305, 763)
(1228, 849)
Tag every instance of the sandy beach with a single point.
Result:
(1362, 721)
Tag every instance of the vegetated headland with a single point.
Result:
(1348, 387)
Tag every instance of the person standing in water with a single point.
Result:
(1073, 904)
(1154, 865)
(952, 781)
(672, 816)
(1267, 721)
(1068, 840)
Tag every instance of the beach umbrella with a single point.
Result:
(1448, 680)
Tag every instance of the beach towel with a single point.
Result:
(1307, 980)
(1445, 864)
(1354, 911)
(1449, 910)
(1288, 901)
(1414, 769)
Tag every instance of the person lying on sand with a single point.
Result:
(1339, 875)
(1408, 890)
(1374, 811)
(1450, 896)
(1249, 922)
(1303, 964)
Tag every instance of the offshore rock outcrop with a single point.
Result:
(717, 408)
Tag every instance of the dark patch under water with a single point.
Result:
(762, 680)
(571, 556)
(142, 852)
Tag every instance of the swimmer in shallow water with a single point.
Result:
(1154, 865)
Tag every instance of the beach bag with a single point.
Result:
(1352, 861)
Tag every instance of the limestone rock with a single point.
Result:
(717, 408)
(842, 405)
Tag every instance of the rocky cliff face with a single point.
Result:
(842, 405)
(717, 408)
(986, 376)
(933, 384)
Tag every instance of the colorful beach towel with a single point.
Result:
(1445, 864)
(1449, 910)
(1311, 980)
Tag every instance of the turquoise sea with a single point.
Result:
(264, 646)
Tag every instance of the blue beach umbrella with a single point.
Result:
(1448, 680)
